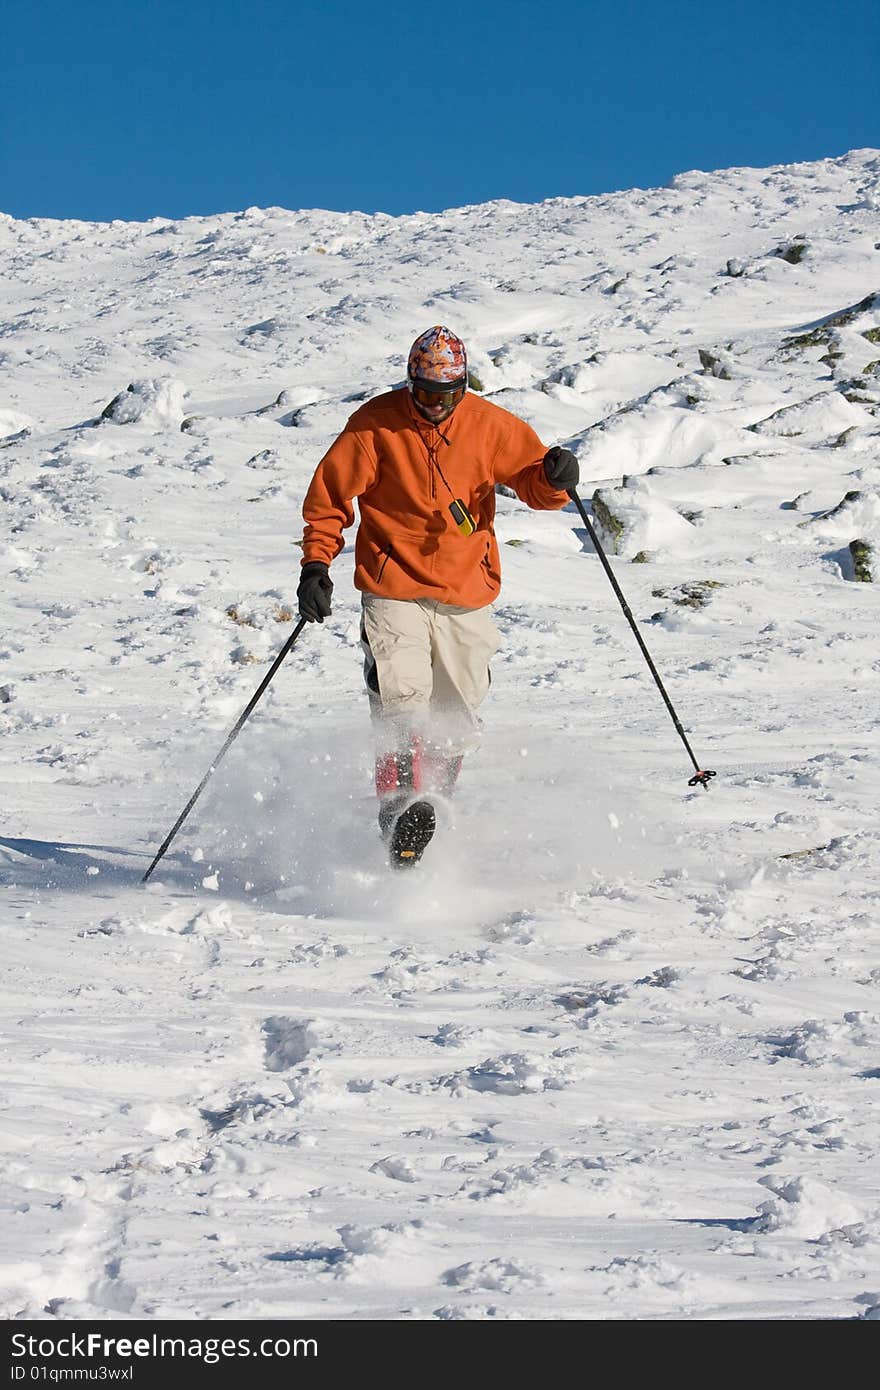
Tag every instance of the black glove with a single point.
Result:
(315, 592)
(561, 469)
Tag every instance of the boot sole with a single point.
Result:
(412, 834)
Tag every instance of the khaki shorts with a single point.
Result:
(427, 668)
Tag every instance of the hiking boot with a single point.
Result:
(411, 834)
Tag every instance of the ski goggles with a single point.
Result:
(447, 394)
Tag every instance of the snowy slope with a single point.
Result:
(612, 1054)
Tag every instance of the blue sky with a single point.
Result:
(172, 108)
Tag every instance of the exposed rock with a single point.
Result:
(713, 365)
(821, 417)
(844, 437)
(188, 425)
(14, 426)
(266, 458)
(846, 316)
(864, 306)
(816, 337)
(846, 501)
(274, 405)
(862, 557)
(109, 411)
(474, 382)
(635, 518)
(695, 594)
(857, 514)
(865, 384)
(821, 334)
(642, 557)
(608, 522)
(563, 376)
(858, 392)
(154, 401)
(804, 853)
(266, 328)
(297, 400)
(18, 438)
(792, 251)
(736, 268)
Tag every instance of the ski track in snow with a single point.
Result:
(615, 1052)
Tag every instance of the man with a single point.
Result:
(423, 462)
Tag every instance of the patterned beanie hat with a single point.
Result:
(437, 355)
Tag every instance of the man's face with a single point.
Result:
(435, 413)
(437, 406)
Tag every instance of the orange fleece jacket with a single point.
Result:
(405, 473)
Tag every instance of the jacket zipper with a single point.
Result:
(431, 447)
(387, 554)
(485, 562)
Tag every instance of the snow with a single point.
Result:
(613, 1053)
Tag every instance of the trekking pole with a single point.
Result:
(227, 745)
(700, 777)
